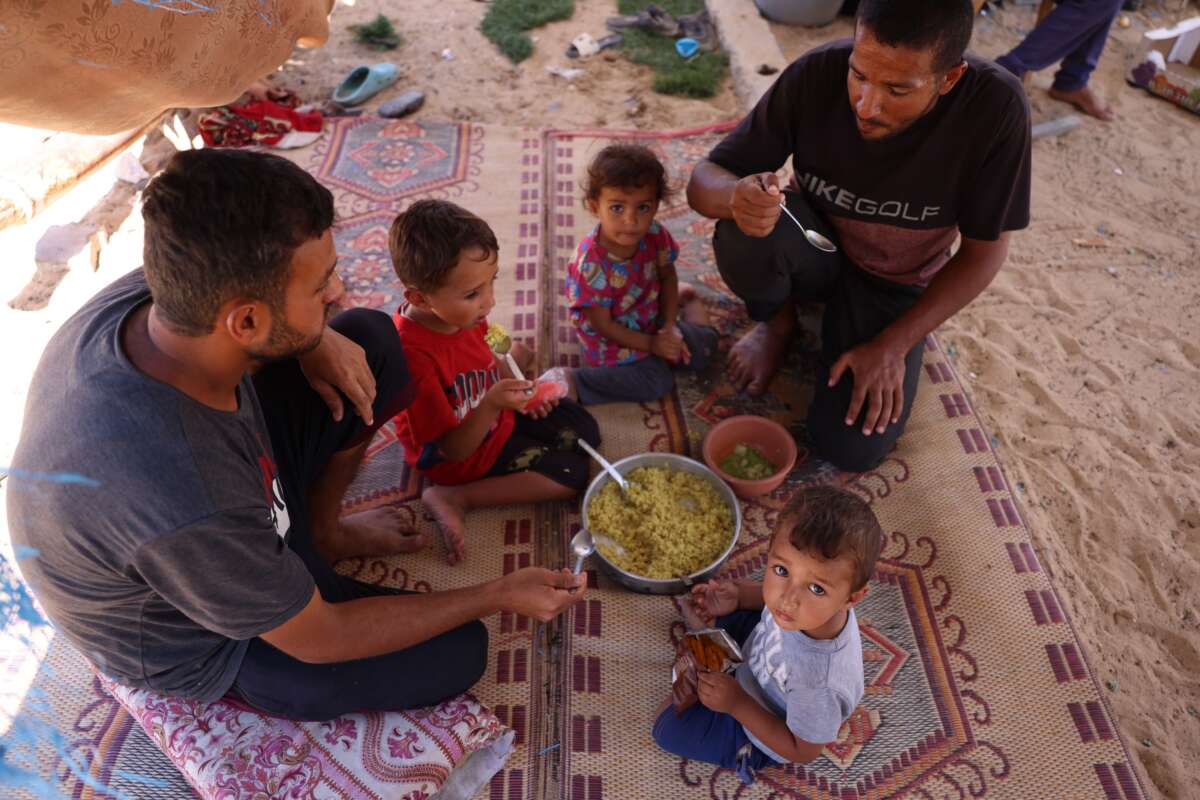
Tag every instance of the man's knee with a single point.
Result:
(376, 334)
(845, 446)
(366, 326)
(851, 451)
(743, 261)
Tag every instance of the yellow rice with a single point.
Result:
(674, 523)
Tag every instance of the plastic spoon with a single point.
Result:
(609, 468)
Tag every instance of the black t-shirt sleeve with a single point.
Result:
(998, 199)
(230, 573)
(765, 139)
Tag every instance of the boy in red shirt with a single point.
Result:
(466, 430)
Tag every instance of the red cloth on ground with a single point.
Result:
(259, 122)
(452, 373)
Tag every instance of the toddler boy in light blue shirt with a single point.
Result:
(803, 669)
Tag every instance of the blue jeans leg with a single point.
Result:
(701, 341)
(1077, 66)
(1075, 33)
(643, 381)
(701, 734)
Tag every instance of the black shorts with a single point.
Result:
(550, 446)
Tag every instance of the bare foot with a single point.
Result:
(1086, 101)
(376, 532)
(692, 308)
(450, 516)
(755, 358)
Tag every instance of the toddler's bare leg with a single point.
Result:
(448, 505)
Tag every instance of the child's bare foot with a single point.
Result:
(691, 308)
(449, 514)
(375, 532)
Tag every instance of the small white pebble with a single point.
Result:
(972, 375)
(1118, 171)
(1112, 270)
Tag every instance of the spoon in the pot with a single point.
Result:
(609, 468)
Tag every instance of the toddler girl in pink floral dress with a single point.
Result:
(635, 324)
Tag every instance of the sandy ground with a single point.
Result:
(1084, 361)
(479, 84)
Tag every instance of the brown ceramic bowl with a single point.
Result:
(768, 437)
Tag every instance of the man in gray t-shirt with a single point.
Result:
(184, 452)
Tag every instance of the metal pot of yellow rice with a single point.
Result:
(677, 527)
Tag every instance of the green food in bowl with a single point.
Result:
(745, 463)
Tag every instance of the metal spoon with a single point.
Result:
(815, 239)
(582, 545)
(609, 468)
(607, 541)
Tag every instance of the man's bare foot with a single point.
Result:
(755, 358)
(375, 532)
(1086, 101)
(450, 517)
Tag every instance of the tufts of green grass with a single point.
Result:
(507, 21)
(378, 34)
(699, 76)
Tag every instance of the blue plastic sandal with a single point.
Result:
(686, 47)
(364, 82)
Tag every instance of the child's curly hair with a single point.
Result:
(628, 166)
(830, 523)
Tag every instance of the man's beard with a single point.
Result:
(897, 131)
(285, 342)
